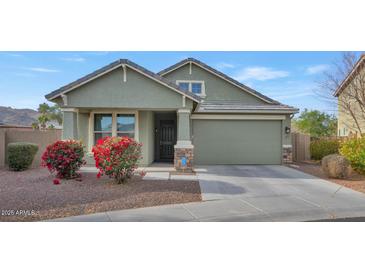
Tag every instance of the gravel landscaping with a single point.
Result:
(355, 182)
(31, 195)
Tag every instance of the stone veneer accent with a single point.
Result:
(188, 153)
(287, 154)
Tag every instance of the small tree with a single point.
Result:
(316, 124)
(35, 125)
(48, 114)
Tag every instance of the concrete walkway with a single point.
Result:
(250, 193)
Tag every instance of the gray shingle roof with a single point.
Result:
(115, 65)
(239, 107)
(221, 74)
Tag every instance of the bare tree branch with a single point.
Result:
(351, 100)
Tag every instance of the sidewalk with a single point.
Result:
(220, 210)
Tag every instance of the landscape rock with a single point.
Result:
(336, 166)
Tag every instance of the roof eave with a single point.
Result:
(286, 111)
(89, 77)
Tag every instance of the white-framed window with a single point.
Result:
(112, 123)
(103, 123)
(196, 87)
(184, 86)
(126, 124)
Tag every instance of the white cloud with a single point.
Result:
(260, 73)
(223, 65)
(294, 95)
(296, 89)
(316, 69)
(74, 59)
(40, 69)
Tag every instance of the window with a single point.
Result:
(102, 126)
(196, 87)
(114, 124)
(184, 86)
(125, 125)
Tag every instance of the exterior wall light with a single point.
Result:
(287, 130)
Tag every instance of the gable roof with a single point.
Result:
(357, 67)
(117, 64)
(219, 74)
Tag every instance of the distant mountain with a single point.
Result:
(19, 117)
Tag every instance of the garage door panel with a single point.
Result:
(237, 142)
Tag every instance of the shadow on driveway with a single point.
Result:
(220, 187)
(354, 219)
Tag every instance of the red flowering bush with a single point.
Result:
(65, 158)
(117, 157)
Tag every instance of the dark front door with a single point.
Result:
(167, 139)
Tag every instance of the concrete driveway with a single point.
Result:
(251, 193)
(277, 193)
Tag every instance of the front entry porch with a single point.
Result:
(173, 139)
(164, 134)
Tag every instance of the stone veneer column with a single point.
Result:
(184, 150)
(70, 127)
(287, 154)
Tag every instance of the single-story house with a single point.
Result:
(189, 113)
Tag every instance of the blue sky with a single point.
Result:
(289, 77)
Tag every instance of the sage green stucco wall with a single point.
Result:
(183, 126)
(70, 129)
(146, 136)
(237, 142)
(83, 128)
(215, 87)
(109, 91)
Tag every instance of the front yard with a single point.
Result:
(31, 195)
(355, 182)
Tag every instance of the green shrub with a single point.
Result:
(21, 155)
(354, 151)
(323, 147)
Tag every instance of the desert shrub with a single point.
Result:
(21, 155)
(323, 147)
(354, 151)
(336, 166)
(117, 157)
(65, 158)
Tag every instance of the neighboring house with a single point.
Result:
(188, 113)
(350, 115)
